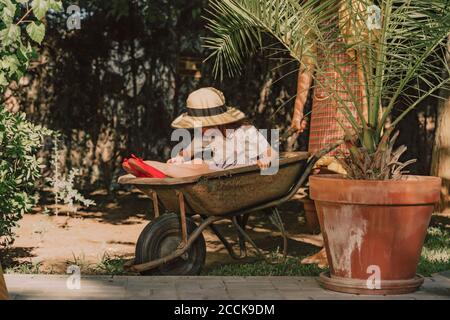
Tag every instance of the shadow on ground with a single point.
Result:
(113, 227)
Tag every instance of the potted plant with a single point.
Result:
(312, 220)
(374, 219)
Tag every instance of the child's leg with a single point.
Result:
(180, 170)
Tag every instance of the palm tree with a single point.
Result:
(441, 157)
(398, 46)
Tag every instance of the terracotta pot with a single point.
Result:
(312, 221)
(373, 231)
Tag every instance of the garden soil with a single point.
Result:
(49, 243)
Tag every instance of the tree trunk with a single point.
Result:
(441, 156)
(3, 291)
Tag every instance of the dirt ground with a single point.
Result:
(113, 226)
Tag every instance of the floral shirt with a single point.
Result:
(243, 146)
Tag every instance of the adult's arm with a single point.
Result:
(304, 82)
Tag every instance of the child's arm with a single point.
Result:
(267, 158)
(183, 156)
(268, 155)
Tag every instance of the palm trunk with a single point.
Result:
(441, 156)
(3, 290)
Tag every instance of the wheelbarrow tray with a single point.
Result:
(226, 191)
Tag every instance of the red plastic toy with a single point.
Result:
(140, 169)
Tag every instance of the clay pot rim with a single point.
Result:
(412, 190)
(359, 286)
(406, 179)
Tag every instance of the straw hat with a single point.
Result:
(206, 107)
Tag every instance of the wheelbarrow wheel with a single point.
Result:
(161, 238)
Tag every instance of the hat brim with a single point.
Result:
(186, 121)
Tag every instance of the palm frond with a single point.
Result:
(400, 59)
(237, 28)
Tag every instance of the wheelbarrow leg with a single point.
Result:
(245, 218)
(155, 204)
(184, 236)
(275, 218)
(246, 236)
(242, 221)
(225, 242)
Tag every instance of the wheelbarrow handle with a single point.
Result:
(312, 162)
(293, 130)
(321, 153)
(300, 182)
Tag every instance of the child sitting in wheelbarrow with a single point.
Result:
(227, 141)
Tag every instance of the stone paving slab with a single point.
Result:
(40, 287)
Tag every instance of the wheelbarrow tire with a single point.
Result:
(162, 237)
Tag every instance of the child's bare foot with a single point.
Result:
(176, 160)
(319, 258)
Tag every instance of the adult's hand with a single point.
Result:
(301, 125)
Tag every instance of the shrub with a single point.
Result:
(19, 168)
(63, 185)
(21, 27)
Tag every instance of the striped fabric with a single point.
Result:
(207, 108)
(324, 127)
(189, 122)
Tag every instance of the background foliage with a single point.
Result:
(113, 87)
(19, 168)
(20, 140)
(402, 59)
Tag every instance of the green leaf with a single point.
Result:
(56, 5)
(19, 73)
(33, 54)
(40, 8)
(22, 54)
(8, 11)
(36, 31)
(9, 35)
(3, 81)
(10, 63)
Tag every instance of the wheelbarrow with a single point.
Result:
(173, 244)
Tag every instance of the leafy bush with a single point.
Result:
(20, 140)
(20, 27)
(19, 168)
(63, 185)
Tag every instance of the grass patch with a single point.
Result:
(435, 258)
(290, 267)
(426, 268)
(25, 268)
(109, 265)
(436, 252)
